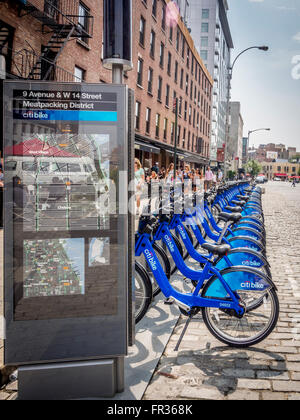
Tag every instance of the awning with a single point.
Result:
(147, 147)
(279, 175)
(178, 154)
(195, 159)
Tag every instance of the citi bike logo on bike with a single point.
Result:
(150, 259)
(251, 263)
(253, 286)
(183, 235)
(169, 243)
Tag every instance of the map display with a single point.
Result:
(53, 267)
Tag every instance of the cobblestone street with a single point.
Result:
(204, 369)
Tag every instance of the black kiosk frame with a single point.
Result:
(66, 239)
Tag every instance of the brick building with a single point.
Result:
(61, 40)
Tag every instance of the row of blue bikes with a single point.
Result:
(216, 241)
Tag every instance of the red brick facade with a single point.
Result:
(190, 83)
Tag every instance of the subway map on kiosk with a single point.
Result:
(53, 267)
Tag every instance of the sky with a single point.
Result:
(267, 83)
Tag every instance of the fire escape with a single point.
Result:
(63, 20)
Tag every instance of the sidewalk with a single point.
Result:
(205, 369)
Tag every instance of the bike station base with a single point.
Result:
(153, 333)
(73, 380)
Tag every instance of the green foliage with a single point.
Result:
(231, 175)
(253, 168)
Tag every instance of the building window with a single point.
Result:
(137, 115)
(204, 54)
(79, 74)
(180, 106)
(154, 7)
(190, 114)
(188, 58)
(171, 33)
(189, 141)
(161, 55)
(176, 72)
(140, 72)
(150, 79)
(167, 95)
(204, 41)
(157, 124)
(204, 27)
(191, 90)
(183, 47)
(169, 63)
(185, 110)
(163, 17)
(205, 13)
(187, 84)
(177, 39)
(152, 44)
(165, 128)
(159, 90)
(181, 78)
(148, 120)
(142, 31)
(83, 20)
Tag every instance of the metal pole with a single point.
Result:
(227, 122)
(117, 74)
(175, 107)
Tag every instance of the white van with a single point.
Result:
(52, 170)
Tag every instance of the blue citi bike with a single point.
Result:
(239, 304)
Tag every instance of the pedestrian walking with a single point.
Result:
(139, 178)
(208, 179)
(294, 183)
(155, 168)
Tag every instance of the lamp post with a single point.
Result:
(253, 131)
(230, 70)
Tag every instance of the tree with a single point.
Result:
(253, 168)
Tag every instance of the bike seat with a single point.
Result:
(220, 250)
(236, 209)
(239, 203)
(232, 217)
(243, 197)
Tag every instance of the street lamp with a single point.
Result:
(230, 70)
(253, 131)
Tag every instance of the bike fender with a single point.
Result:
(240, 278)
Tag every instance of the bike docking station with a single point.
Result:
(68, 239)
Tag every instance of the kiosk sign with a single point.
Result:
(65, 251)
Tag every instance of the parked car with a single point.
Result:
(260, 179)
(276, 179)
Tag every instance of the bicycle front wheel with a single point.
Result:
(143, 292)
(259, 320)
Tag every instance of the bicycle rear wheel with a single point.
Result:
(259, 320)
